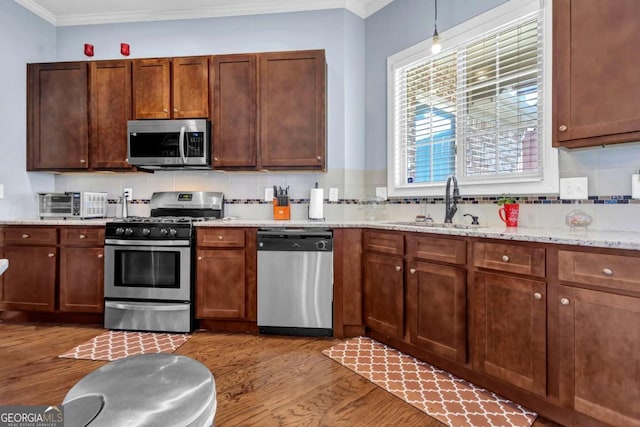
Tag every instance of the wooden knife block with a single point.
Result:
(281, 212)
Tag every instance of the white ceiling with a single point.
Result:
(84, 12)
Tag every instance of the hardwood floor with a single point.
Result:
(260, 380)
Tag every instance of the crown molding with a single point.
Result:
(362, 8)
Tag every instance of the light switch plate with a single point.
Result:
(268, 194)
(574, 188)
(333, 194)
(635, 186)
(381, 193)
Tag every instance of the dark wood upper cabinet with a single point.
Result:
(109, 110)
(152, 88)
(234, 106)
(57, 118)
(292, 87)
(595, 81)
(165, 88)
(190, 87)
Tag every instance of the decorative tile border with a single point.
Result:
(527, 200)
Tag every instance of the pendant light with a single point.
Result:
(436, 47)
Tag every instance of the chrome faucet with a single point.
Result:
(451, 201)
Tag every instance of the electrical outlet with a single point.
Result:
(268, 194)
(574, 188)
(635, 186)
(129, 192)
(1, 191)
(381, 193)
(333, 194)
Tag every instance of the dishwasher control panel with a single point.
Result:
(306, 240)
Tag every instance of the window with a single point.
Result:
(475, 110)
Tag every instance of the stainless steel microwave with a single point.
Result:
(156, 144)
(72, 204)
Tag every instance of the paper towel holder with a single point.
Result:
(313, 204)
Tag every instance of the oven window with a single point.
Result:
(147, 269)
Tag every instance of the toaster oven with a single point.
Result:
(78, 204)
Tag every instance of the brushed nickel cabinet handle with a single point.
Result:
(175, 110)
(100, 256)
(607, 272)
(537, 295)
(199, 258)
(50, 255)
(319, 158)
(83, 161)
(25, 236)
(505, 258)
(215, 159)
(82, 236)
(220, 238)
(562, 128)
(398, 268)
(564, 301)
(412, 271)
(164, 110)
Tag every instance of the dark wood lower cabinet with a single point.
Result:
(384, 294)
(30, 281)
(220, 283)
(599, 354)
(82, 280)
(437, 309)
(510, 330)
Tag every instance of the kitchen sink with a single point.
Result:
(438, 225)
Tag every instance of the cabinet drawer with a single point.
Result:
(81, 236)
(609, 271)
(220, 237)
(437, 249)
(387, 243)
(29, 236)
(519, 259)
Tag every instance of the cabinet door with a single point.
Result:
(220, 284)
(510, 330)
(599, 348)
(152, 88)
(190, 87)
(110, 108)
(437, 309)
(384, 294)
(82, 279)
(596, 82)
(57, 115)
(29, 283)
(234, 100)
(292, 110)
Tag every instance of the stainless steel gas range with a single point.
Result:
(149, 274)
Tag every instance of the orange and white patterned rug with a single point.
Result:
(114, 345)
(441, 395)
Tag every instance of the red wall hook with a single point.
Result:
(124, 49)
(88, 49)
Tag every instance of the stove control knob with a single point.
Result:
(119, 231)
(128, 231)
(146, 231)
(173, 232)
(163, 231)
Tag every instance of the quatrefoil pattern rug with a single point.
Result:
(441, 395)
(114, 345)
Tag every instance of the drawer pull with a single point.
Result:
(412, 271)
(50, 255)
(25, 236)
(199, 258)
(100, 256)
(562, 128)
(537, 295)
(82, 236)
(564, 301)
(398, 268)
(220, 237)
(505, 258)
(83, 161)
(607, 272)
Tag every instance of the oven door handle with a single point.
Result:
(146, 307)
(182, 150)
(168, 243)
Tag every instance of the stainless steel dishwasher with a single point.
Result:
(295, 282)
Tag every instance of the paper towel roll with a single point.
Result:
(315, 203)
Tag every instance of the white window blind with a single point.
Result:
(475, 110)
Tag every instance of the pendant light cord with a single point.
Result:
(435, 20)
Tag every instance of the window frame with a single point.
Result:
(481, 24)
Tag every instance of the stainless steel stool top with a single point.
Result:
(144, 390)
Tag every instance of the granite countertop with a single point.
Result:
(560, 235)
